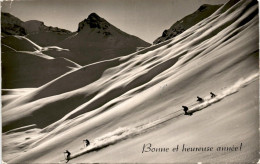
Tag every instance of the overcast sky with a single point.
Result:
(146, 19)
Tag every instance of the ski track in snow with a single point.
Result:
(123, 133)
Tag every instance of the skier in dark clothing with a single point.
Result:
(86, 142)
(185, 109)
(212, 95)
(68, 155)
(199, 99)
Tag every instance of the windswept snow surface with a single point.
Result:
(123, 133)
(123, 103)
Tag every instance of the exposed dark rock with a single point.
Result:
(93, 21)
(57, 30)
(164, 34)
(10, 25)
(203, 7)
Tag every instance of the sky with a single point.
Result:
(146, 19)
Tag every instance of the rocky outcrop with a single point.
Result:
(10, 25)
(93, 21)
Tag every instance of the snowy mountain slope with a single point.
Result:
(185, 23)
(8, 95)
(25, 64)
(35, 26)
(137, 99)
(96, 40)
(45, 35)
(18, 43)
(35, 30)
(24, 69)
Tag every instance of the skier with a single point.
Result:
(199, 99)
(86, 142)
(68, 155)
(212, 95)
(185, 109)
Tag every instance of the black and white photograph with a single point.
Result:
(130, 81)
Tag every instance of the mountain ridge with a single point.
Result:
(100, 40)
(27, 27)
(32, 40)
(186, 22)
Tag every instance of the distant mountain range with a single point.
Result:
(26, 45)
(185, 23)
(11, 25)
(95, 40)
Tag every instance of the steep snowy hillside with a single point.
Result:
(122, 104)
(185, 23)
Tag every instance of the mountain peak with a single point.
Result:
(93, 21)
(93, 16)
